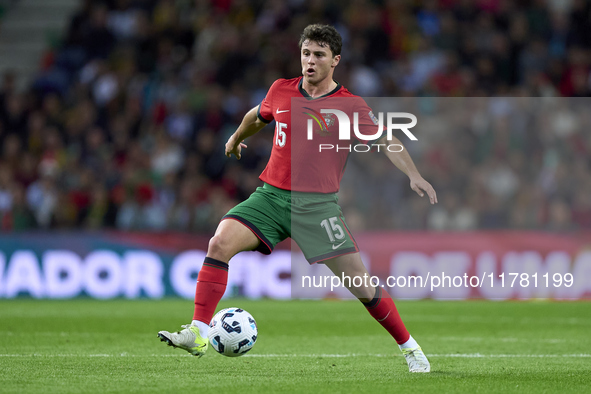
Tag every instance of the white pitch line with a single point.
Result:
(451, 355)
(478, 355)
(507, 339)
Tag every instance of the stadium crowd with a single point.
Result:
(125, 125)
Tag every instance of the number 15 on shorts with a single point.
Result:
(333, 229)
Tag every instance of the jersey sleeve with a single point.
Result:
(265, 110)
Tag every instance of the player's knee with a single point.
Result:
(366, 294)
(219, 248)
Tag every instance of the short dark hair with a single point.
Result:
(323, 35)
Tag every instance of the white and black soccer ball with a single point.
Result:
(232, 332)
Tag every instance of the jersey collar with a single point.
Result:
(306, 95)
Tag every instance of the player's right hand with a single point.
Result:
(233, 148)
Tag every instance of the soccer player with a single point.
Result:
(299, 191)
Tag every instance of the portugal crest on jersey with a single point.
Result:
(321, 121)
(329, 119)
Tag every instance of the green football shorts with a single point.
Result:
(313, 220)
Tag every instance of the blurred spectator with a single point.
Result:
(6, 189)
(98, 208)
(560, 216)
(167, 156)
(42, 197)
(20, 216)
(452, 215)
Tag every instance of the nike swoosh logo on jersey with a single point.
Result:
(280, 112)
(336, 246)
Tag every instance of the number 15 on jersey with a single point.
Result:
(280, 135)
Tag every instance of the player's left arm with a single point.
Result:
(404, 162)
(251, 124)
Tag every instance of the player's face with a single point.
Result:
(317, 62)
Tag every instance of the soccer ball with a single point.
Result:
(232, 332)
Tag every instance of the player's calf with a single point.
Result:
(383, 309)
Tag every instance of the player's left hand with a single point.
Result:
(234, 149)
(421, 186)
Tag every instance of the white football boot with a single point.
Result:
(416, 360)
(188, 339)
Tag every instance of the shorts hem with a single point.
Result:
(336, 253)
(265, 247)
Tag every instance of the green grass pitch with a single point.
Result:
(88, 346)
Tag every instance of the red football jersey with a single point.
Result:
(297, 161)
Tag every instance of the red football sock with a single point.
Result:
(382, 309)
(211, 285)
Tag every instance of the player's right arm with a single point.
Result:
(403, 161)
(251, 124)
